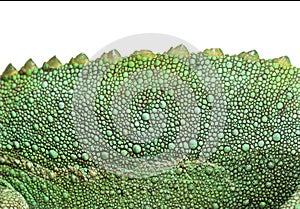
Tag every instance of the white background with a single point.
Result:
(41, 30)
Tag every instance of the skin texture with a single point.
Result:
(51, 152)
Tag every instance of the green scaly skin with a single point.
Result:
(45, 163)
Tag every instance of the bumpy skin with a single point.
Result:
(45, 163)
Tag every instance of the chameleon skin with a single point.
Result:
(44, 163)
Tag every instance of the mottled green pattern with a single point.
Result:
(47, 162)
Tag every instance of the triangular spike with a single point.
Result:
(251, 55)
(53, 63)
(82, 58)
(28, 66)
(182, 48)
(103, 57)
(254, 53)
(143, 53)
(112, 56)
(214, 52)
(284, 61)
(179, 50)
(79, 59)
(72, 61)
(10, 70)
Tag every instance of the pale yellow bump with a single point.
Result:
(52, 175)
(29, 165)
(78, 172)
(2, 160)
(92, 172)
(17, 161)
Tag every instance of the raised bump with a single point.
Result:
(251, 55)
(179, 50)
(214, 52)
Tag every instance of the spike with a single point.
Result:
(10, 70)
(79, 59)
(284, 61)
(28, 67)
(143, 53)
(112, 56)
(214, 52)
(178, 50)
(52, 63)
(251, 55)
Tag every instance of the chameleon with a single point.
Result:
(176, 129)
